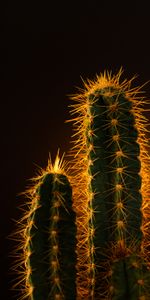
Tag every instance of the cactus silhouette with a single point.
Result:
(88, 237)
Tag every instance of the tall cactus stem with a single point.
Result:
(110, 154)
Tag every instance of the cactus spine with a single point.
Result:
(50, 238)
(110, 150)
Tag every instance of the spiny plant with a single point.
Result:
(95, 243)
(111, 166)
(48, 237)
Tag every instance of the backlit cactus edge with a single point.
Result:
(86, 232)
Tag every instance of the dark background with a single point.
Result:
(46, 49)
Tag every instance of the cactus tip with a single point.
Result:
(59, 165)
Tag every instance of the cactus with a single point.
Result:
(110, 152)
(94, 245)
(50, 238)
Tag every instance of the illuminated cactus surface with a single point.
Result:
(86, 234)
(110, 149)
(50, 239)
(116, 182)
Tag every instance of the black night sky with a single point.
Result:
(46, 49)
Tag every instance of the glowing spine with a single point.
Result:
(110, 127)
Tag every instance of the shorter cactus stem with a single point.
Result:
(50, 238)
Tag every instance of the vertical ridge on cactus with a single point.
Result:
(112, 202)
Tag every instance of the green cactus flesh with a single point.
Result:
(129, 279)
(115, 148)
(52, 241)
(115, 171)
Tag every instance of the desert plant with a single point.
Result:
(112, 205)
(107, 223)
(48, 237)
